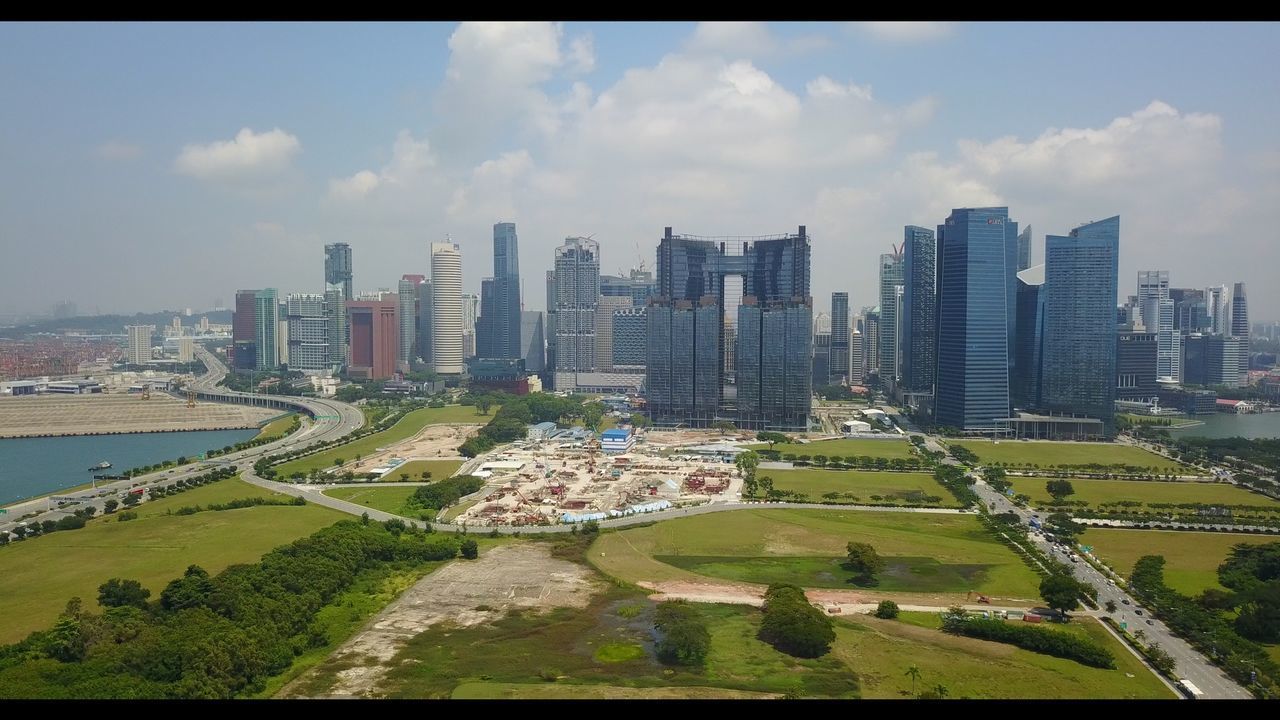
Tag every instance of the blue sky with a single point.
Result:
(160, 165)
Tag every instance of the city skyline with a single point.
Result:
(259, 177)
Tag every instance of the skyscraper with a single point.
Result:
(486, 335)
(870, 340)
(243, 334)
(375, 342)
(470, 319)
(1136, 366)
(890, 280)
(140, 344)
(976, 263)
(686, 380)
(577, 295)
(1079, 361)
(1240, 327)
(630, 333)
(335, 310)
(856, 362)
(1157, 310)
(549, 325)
(822, 359)
(1024, 249)
(266, 328)
(919, 316)
(839, 337)
(446, 308)
(337, 267)
(1028, 350)
(604, 328)
(423, 330)
(532, 339)
(1218, 306)
(408, 317)
(308, 332)
(498, 336)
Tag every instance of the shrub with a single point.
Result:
(684, 639)
(1035, 639)
(887, 610)
(794, 626)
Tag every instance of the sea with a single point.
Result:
(1224, 425)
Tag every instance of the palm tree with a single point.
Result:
(914, 673)
(941, 690)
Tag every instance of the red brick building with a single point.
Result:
(375, 338)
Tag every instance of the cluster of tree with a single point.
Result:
(1258, 451)
(208, 636)
(442, 494)
(956, 482)
(1061, 525)
(1252, 572)
(835, 392)
(1209, 629)
(962, 454)
(792, 625)
(239, 503)
(996, 478)
(747, 462)
(511, 421)
(864, 562)
(255, 442)
(180, 486)
(1062, 592)
(683, 638)
(1029, 637)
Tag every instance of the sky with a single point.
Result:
(148, 166)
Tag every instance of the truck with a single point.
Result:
(1034, 523)
(1186, 687)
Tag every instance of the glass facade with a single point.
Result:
(1028, 338)
(1079, 359)
(839, 366)
(423, 331)
(505, 325)
(977, 254)
(919, 316)
(1136, 365)
(890, 280)
(337, 268)
(308, 332)
(1024, 249)
(266, 328)
(630, 333)
(577, 293)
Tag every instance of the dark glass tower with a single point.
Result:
(1028, 344)
(919, 310)
(1024, 249)
(1079, 361)
(839, 366)
(977, 257)
(337, 268)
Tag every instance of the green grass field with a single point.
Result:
(276, 427)
(872, 448)
(386, 499)
(440, 469)
(1096, 492)
(891, 487)
(882, 650)
(1191, 558)
(1065, 453)
(821, 534)
(38, 576)
(901, 573)
(408, 426)
(567, 691)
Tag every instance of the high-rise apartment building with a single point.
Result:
(870, 340)
(375, 341)
(977, 294)
(1079, 361)
(308, 332)
(577, 296)
(1157, 310)
(266, 329)
(891, 278)
(140, 343)
(243, 334)
(337, 268)
(605, 310)
(840, 337)
(446, 308)
(1217, 300)
(919, 315)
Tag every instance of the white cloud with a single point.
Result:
(249, 153)
(910, 31)
(733, 39)
(117, 150)
(582, 54)
(410, 158)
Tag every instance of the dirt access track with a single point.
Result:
(833, 601)
(509, 576)
(433, 442)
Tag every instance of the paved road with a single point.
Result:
(349, 419)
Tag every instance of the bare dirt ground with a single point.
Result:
(833, 601)
(434, 442)
(511, 576)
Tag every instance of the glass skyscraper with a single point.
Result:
(976, 264)
(1079, 361)
(1024, 249)
(266, 328)
(1028, 345)
(506, 293)
(890, 280)
(919, 316)
(337, 268)
(577, 295)
(839, 366)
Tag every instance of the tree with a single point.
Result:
(684, 638)
(483, 403)
(725, 426)
(913, 672)
(864, 561)
(1111, 606)
(592, 415)
(771, 437)
(110, 505)
(364, 518)
(191, 590)
(1163, 661)
(639, 420)
(887, 610)
(1061, 592)
(1060, 489)
(131, 499)
(337, 462)
(470, 549)
(794, 626)
(747, 462)
(122, 593)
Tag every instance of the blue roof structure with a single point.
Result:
(616, 434)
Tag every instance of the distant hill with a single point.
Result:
(111, 324)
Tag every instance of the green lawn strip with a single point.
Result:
(386, 499)
(406, 427)
(1191, 558)
(901, 574)
(896, 488)
(1065, 453)
(458, 509)
(1097, 492)
(440, 470)
(276, 427)
(628, 555)
(38, 576)
(845, 447)
(883, 650)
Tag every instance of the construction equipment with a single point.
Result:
(191, 399)
(146, 392)
(984, 599)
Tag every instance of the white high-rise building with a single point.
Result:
(307, 333)
(186, 351)
(1157, 310)
(1217, 303)
(140, 344)
(446, 308)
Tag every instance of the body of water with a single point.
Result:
(1224, 425)
(35, 466)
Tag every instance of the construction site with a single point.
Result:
(545, 483)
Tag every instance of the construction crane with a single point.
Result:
(191, 398)
(146, 392)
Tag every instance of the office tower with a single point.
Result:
(186, 350)
(532, 340)
(1079, 360)
(486, 320)
(638, 285)
(630, 333)
(919, 315)
(871, 341)
(506, 293)
(1240, 327)
(337, 267)
(1136, 366)
(470, 320)
(140, 344)
(1157, 310)
(408, 317)
(604, 328)
(577, 295)
(976, 261)
(1024, 249)
(266, 329)
(1028, 348)
(839, 337)
(821, 359)
(686, 379)
(176, 324)
(1190, 310)
(243, 335)
(856, 361)
(550, 324)
(375, 341)
(308, 332)
(335, 312)
(422, 332)
(1218, 306)
(446, 308)
(891, 278)
(1213, 360)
